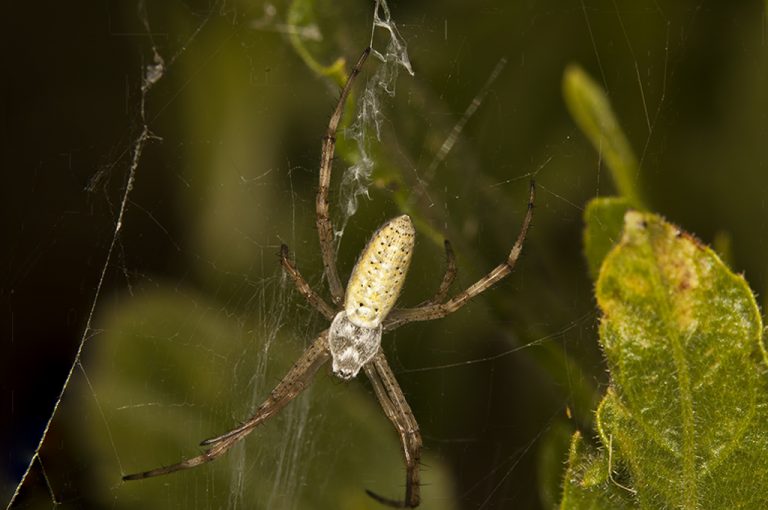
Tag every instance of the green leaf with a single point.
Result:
(552, 450)
(683, 424)
(300, 14)
(590, 108)
(604, 220)
(587, 485)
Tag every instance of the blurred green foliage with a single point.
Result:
(591, 110)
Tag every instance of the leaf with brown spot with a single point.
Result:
(683, 424)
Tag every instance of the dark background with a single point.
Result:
(230, 172)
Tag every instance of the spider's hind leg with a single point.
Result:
(399, 413)
(295, 381)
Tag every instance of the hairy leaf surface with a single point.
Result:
(683, 424)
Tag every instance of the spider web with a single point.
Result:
(356, 179)
(254, 304)
(159, 154)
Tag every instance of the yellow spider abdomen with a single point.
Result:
(378, 276)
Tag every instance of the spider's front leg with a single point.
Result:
(448, 277)
(398, 411)
(437, 310)
(324, 225)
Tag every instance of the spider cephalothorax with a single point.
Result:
(358, 318)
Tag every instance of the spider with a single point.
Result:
(358, 318)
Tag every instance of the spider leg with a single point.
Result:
(324, 225)
(295, 381)
(448, 277)
(209, 455)
(437, 310)
(399, 413)
(303, 287)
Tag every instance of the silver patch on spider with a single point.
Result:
(351, 346)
